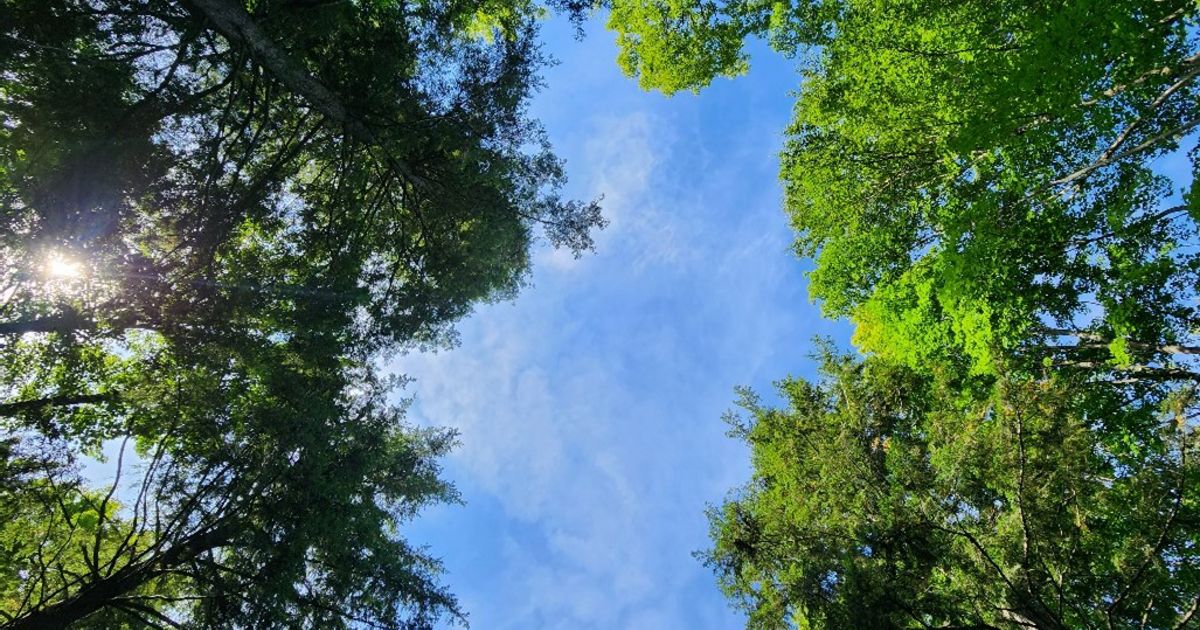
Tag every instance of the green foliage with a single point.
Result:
(233, 191)
(886, 498)
(218, 216)
(970, 175)
(979, 185)
(929, 163)
(282, 509)
(678, 45)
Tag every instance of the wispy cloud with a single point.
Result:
(589, 409)
(621, 161)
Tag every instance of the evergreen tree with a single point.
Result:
(980, 185)
(886, 498)
(217, 216)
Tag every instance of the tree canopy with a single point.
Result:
(972, 177)
(982, 188)
(217, 216)
(886, 498)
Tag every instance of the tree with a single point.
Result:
(887, 498)
(979, 187)
(204, 162)
(976, 179)
(280, 509)
(217, 217)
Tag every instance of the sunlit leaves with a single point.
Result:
(967, 172)
(261, 198)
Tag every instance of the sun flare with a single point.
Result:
(62, 268)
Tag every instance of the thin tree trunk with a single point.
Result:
(231, 20)
(1096, 341)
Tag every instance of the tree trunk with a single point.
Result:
(103, 592)
(231, 20)
(1092, 340)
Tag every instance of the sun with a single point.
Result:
(61, 267)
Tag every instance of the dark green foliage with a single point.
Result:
(216, 217)
(267, 497)
(210, 176)
(884, 498)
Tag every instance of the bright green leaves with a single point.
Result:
(501, 19)
(954, 110)
(675, 45)
(984, 163)
(664, 56)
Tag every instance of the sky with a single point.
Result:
(589, 409)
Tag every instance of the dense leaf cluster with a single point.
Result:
(884, 498)
(217, 216)
(981, 185)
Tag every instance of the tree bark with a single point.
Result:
(230, 19)
(1096, 341)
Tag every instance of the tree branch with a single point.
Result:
(14, 408)
(233, 22)
(67, 322)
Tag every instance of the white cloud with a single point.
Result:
(499, 400)
(623, 157)
(590, 409)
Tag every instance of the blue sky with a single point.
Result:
(590, 407)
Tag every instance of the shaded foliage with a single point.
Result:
(886, 498)
(217, 217)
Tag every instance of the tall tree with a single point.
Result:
(883, 498)
(216, 215)
(202, 161)
(281, 508)
(976, 178)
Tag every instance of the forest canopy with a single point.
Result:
(218, 216)
(221, 216)
(979, 186)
